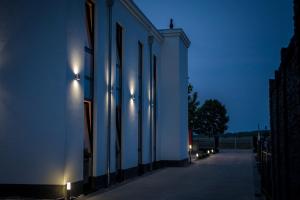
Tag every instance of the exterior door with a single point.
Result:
(88, 142)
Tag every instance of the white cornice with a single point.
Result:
(176, 32)
(135, 11)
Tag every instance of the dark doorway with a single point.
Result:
(140, 108)
(88, 144)
(119, 93)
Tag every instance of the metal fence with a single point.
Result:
(224, 143)
(264, 160)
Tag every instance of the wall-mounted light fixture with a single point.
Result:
(190, 147)
(111, 89)
(77, 77)
(132, 97)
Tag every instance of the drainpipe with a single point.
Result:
(150, 42)
(109, 4)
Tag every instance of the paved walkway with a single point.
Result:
(224, 176)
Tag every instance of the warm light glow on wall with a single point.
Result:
(76, 64)
(132, 97)
(64, 182)
(76, 61)
(75, 69)
(131, 86)
(75, 88)
(149, 96)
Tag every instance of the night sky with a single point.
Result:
(234, 51)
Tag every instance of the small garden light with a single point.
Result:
(190, 153)
(68, 190)
(68, 186)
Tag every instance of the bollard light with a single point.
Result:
(197, 155)
(68, 186)
(190, 147)
(208, 151)
(212, 151)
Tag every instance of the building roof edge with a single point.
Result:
(176, 32)
(136, 12)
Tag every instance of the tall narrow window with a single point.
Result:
(88, 95)
(154, 104)
(119, 92)
(140, 110)
(89, 52)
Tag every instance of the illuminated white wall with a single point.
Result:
(101, 88)
(156, 50)
(172, 100)
(40, 106)
(133, 31)
(74, 111)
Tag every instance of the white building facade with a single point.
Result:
(91, 93)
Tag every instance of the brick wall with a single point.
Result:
(285, 120)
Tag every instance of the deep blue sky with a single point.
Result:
(235, 49)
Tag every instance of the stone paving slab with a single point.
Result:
(228, 175)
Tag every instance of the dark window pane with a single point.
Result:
(87, 89)
(90, 23)
(88, 65)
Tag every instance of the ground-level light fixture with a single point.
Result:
(197, 155)
(190, 153)
(212, 151)
(208, 151)
(77, 77)
(68, 191)
(68, 186)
